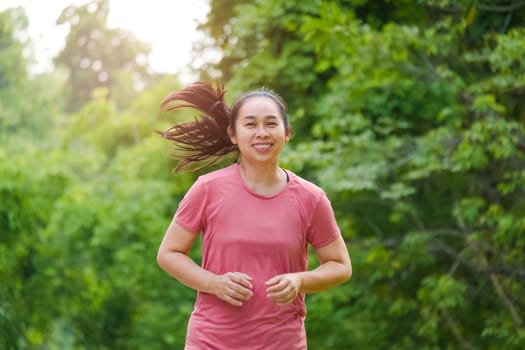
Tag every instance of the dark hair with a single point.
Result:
(206, 138)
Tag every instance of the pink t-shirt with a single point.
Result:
(260, 236)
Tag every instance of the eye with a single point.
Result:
(272, 124)
(249, 125)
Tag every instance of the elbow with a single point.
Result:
(348, 268)
(161, 258)
(346, 273)
(167, 259)
(342, 273)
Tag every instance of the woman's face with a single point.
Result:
(260, 131)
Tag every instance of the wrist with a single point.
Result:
(300, 281)
(212, 281)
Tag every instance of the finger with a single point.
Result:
(232, 301)
(273, 280)
(279, 296)
(284, 296)
(242, 279)
(285, 300)
(277, 287)
(240, 286)
(240, 293)
(245, 283)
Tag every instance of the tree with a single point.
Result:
(416, 132)
(409, 115)
(261, 46)
(80, 227)
(27, 298)
(106, 227)
(16, 87)
(98, 56)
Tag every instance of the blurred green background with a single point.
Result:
(410, 114)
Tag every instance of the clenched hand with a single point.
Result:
(283, 289)
(233, 287)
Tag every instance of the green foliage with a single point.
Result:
(27, 307)
(84, 207)
(80, 230)
(21, 98)
(410, 116)
(13, 68)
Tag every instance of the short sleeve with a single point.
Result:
(190, 213)
(323, 227)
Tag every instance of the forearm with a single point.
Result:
(181, 267)
(325, 276)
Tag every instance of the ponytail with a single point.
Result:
(206, 138)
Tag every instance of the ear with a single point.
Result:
(232, 137)
(288, 133)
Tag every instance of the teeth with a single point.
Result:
(262, 146)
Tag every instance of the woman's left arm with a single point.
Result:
(335, 268)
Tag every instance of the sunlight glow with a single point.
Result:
(170, 27)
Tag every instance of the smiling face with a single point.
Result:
(260, 131)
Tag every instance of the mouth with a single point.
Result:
(262, 146)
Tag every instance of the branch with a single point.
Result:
(496, 8)
(459, 259)
(500, 292)
(455, 330)
(437, 246)
(508, 303)
(446, 232)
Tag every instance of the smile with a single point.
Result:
(262, 146)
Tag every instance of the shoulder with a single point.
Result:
(311, 200)
(218, 175)
(305, 188)
(208, 185)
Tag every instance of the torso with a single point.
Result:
(261, 236)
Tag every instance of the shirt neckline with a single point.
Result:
(289, 179)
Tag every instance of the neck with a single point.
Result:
(264, 173)
(263, 179)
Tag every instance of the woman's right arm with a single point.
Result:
(172, 257)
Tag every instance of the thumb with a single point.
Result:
(273, 280)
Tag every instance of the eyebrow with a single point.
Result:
(271, 116)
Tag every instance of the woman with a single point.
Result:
(257, 221)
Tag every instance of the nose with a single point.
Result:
(262, 132)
